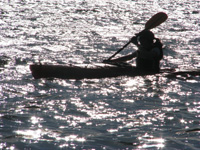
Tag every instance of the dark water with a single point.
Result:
(152, 112)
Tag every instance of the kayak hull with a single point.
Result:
(99, 71)
(76, 72)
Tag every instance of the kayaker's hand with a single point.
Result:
(158, 43)
(134, 40)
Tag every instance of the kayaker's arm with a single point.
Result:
(124, 58)
(134, 40)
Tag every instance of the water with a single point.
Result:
(152, 112)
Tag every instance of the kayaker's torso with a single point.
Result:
(149, 58)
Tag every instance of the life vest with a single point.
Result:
(149, 59)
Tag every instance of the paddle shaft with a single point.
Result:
(153, 22)
(119, 50)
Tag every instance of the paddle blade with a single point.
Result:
(156, 20)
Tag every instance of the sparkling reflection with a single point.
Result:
(151, 142)
(31, 134)
(35, 120)
(134, 84)
(72, 138)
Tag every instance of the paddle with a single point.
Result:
(153, 22)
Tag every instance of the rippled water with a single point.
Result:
(152, 112)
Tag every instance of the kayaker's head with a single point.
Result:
(146, 38)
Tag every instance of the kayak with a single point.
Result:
(97, 71)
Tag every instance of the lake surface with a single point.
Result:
(151, 112)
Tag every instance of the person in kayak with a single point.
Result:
(149, 52)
